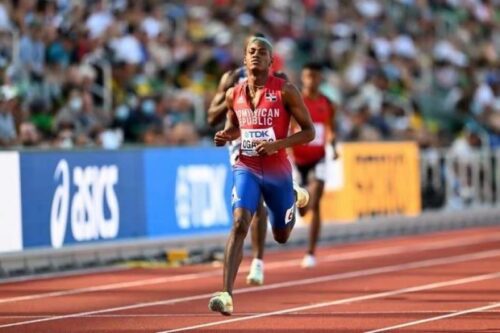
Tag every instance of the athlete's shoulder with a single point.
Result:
(288, 87)
(281, 75)
(231, 78)
(230, 94)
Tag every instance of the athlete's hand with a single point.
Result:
(265, 148)
(221, 137)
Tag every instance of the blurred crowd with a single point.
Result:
(107, 73)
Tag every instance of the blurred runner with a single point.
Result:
(310, 158)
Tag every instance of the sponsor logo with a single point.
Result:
(234, 197)
(253, 137)
(290, 214)
(199, 196)
(240, 100)
(93, 208)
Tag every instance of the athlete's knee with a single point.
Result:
(241, 225)
(281, 236)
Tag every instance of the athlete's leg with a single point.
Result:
(279, 196)
(259, 230)
(316, 188)
(246, 196)
(233, 253)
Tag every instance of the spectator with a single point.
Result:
(32, 50)
(99, 20)
(78, 116)
(129, 48)
(8, 133)
(414, 70)
(4, 18)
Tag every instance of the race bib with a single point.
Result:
(319, 138)
(250, 138)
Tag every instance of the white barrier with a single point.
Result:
(457, 181)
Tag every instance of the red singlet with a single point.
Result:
(269, 121)
(321, 113)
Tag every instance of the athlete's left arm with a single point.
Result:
(295, 105)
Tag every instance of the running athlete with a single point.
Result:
(217, 114)
(259, 111)
(310, 158)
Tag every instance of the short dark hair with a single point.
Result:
(313, 66)
(258, 35)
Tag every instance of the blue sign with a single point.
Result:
(188, 191)
(75, 197)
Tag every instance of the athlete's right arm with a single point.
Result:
(231, 130)
(218, 106)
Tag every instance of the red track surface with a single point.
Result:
(446, 282)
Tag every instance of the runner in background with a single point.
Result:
(310, 158)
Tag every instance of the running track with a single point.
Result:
(444, 282)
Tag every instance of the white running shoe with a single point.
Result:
(301, 195)
(309, 261)
(221, 302)
(255, 276)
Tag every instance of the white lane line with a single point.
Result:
(243, 314)
(452, 243)
(62, 274)
(293, 283)
(345, 300)
(25, 317)
(449, 315)
(113, 286)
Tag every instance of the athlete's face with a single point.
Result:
(258, 56)
(311, 79)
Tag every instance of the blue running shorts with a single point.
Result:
(277, 191)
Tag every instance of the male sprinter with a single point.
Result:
(310, 158)
(216, 114)
(259, 110)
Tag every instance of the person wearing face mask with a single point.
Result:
(75, 104)
(77, 113)
(68, 114)
(140, 118)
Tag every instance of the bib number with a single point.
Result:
(250, 138)
(319, 138)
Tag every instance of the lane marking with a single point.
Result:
(242, 314)
(449, 315)
(88, 271)
(344, 301)
(62, 274)
(394, 250)
(293, 283)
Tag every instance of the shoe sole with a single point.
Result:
(301, 204)
(216, 305)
